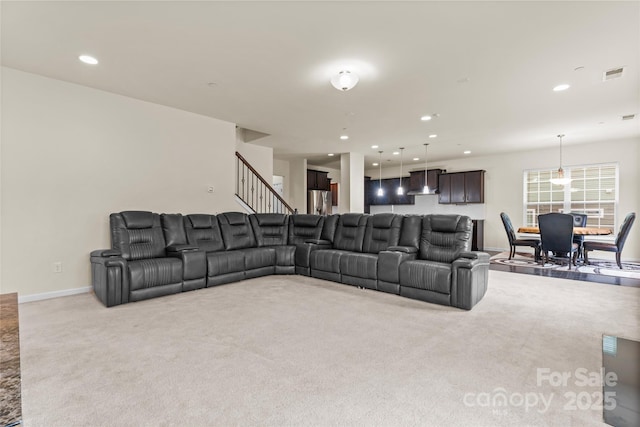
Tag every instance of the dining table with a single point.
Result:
(578, 231)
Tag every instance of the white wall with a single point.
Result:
(504, 181)
(298, 184)
(260, 158)
(71, 155)
(281, 168)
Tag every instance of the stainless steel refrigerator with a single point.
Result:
(319, 202)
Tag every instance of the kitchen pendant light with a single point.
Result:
(425, 189)
(400, 190)
(380, 190)
(560, 180)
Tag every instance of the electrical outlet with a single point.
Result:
(57, 267)
(210, 189)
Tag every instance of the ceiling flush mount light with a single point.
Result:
(561, 87)
(330, 154)
(344, 137)
(344, 80)
(374, 164)
(560, 180)
(466, 152)
(425, 189)
(380, 190)
(428, 117)
(400, 190)
(374, 146)
(415, 159)
(433, 135)
(88, 59)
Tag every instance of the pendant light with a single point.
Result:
(400, 190)
(380, 190)
(425, 189)
(560, 180)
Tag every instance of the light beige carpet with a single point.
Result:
(292, 350)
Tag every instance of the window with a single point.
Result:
(593, 191)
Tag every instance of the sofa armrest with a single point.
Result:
(389, 264)
(470, 259)
(109, 277)
(469, 280)
(194, 260)
(181, 248)
(106, 253)
(404, 249)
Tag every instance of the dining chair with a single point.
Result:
(556, 235)
(611, 247)
(579, 220)
(514, 241)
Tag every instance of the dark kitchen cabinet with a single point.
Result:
(334, 193)
(462, 187)
(416, 180)
(318, 180)
(474, 186)
(444, 185)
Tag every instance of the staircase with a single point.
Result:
(256, 193)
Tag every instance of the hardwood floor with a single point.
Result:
(572, 275)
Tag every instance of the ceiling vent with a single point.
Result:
(614, 73)
(629, 117)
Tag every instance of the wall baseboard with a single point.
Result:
(54, 294)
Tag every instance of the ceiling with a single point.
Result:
(486, 68)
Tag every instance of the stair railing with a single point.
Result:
(257, 193)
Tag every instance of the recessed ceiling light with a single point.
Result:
(426, 118)
(561, 87)
(330, 154)
(433, 135)
(467, 152)
(344, 137)
(395, 153)
(374, 146)
(375, 164)
(88, 59)
(415, 159)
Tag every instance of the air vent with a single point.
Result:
(629, 117)
(612, 74)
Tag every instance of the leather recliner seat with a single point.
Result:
(141, 262)
(271, 231)
(348, 238)
(445, 270)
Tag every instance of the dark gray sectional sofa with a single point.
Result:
(422, 257)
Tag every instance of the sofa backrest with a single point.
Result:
(304, 227)
(236, 230)
(329, 227)
(382, 231)
(411, 230)
(349, 234)
(173, 229)
(444, 237)
(270, 229)
(203, 231)
(137, 234)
